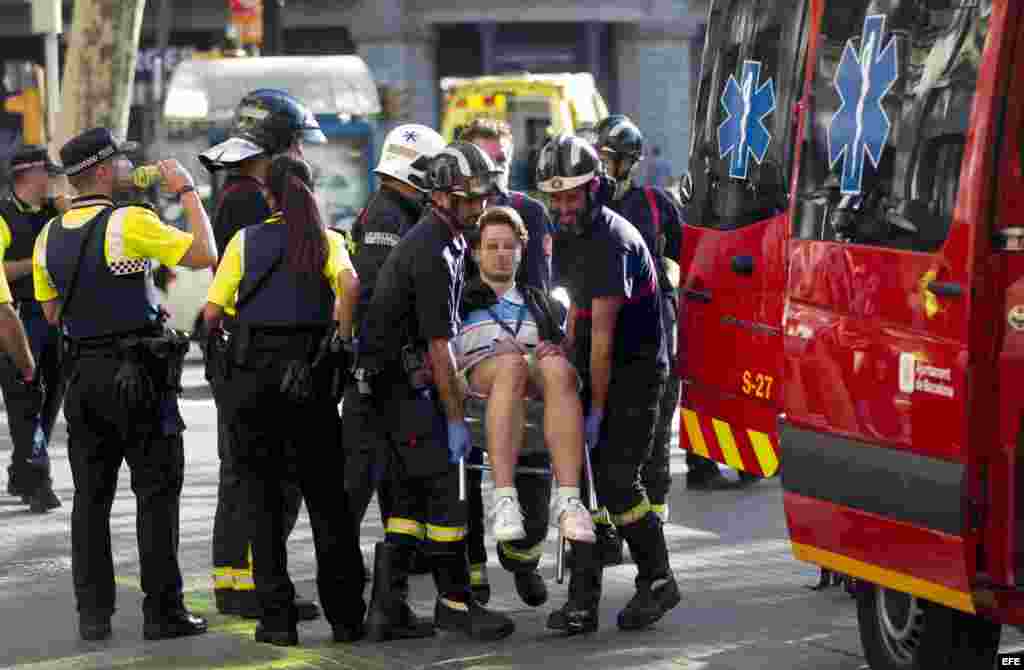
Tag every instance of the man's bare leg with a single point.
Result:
(563, 432)
(503, 378)
(563, 419)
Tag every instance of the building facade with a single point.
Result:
(644, 54)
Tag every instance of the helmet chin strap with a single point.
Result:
(623, 184)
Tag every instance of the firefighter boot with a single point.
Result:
(389, 616)
(456, 610)
(656, 588)
(479, 583)
(579, 614)
(43, 499)
(531, 588)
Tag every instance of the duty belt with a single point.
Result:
(101, 346)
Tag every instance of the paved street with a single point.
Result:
(745, 604)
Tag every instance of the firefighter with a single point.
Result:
(267, 122)
(285, 278)
(495, 138)
(22, 215)
(92, 274)
(392, 211)
(620, 145)
(619, 348)
(406, 364)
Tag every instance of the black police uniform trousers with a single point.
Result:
(271, 449)
(534, 493)
(656, 473)
(232, 568)
(31, 425)
(367, 456)
(427, 512)
(100, 436)
(627, 436)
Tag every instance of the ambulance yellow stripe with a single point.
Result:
(693, 433)
(765, 452)
(936, 593)
(728, 444)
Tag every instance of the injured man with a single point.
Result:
(508, 350)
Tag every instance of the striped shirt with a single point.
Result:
(480, 330)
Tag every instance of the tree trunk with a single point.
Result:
(99, 74)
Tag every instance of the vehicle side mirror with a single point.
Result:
(686, 189)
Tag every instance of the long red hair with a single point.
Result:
(291, 183)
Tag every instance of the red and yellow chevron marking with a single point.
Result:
(748, 450)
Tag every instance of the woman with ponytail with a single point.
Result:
(290, 285)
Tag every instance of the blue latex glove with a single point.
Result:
(592, 428)
(458, 441)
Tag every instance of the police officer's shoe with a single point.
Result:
(473, 619)
(93, 628)
(44, 499)
(280, 638)
(573, 618)
(531, 588)
(177, 623)
(651, 601)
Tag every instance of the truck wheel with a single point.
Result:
(902, 632)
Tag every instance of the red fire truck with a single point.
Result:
(853, 280)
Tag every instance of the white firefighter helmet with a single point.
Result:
(407, 152)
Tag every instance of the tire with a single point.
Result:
(902, 632)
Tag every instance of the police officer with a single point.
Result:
(267, 122)
(619, 348)
(495, 138)
(391, 213)
(92, 273)
(22, 215)
(406, 362)
(285, 278)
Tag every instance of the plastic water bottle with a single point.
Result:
(145, 176)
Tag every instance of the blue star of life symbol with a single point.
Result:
(860, 126)
(744, 134)
(409, 136)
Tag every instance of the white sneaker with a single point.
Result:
(508, 520)
(575, 522)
